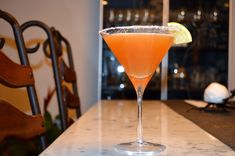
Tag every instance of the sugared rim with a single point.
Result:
(137, 29)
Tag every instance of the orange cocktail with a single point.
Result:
(139, 53)
(139, 49)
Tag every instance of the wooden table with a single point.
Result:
(111, 122)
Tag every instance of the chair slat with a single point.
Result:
(15, 123)
(14, 75)
(67, 73)
(71, 100)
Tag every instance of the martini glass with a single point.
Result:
(140, 50)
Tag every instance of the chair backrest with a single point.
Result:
(62, 72)
(15, 76)
(67, 72)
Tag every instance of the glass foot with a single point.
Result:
(135, 148)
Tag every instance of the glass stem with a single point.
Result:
(139, 126)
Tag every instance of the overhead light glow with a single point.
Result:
(104, 2)
(175, 71)
(120, 69)
(121, 85)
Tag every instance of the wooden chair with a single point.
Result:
(13, 122)
(62, 72)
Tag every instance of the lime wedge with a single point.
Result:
(180, 32)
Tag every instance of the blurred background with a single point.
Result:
(191, 67)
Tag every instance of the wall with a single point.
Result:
(78, 21)
(231, 81)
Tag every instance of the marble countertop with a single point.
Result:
(111, 122)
